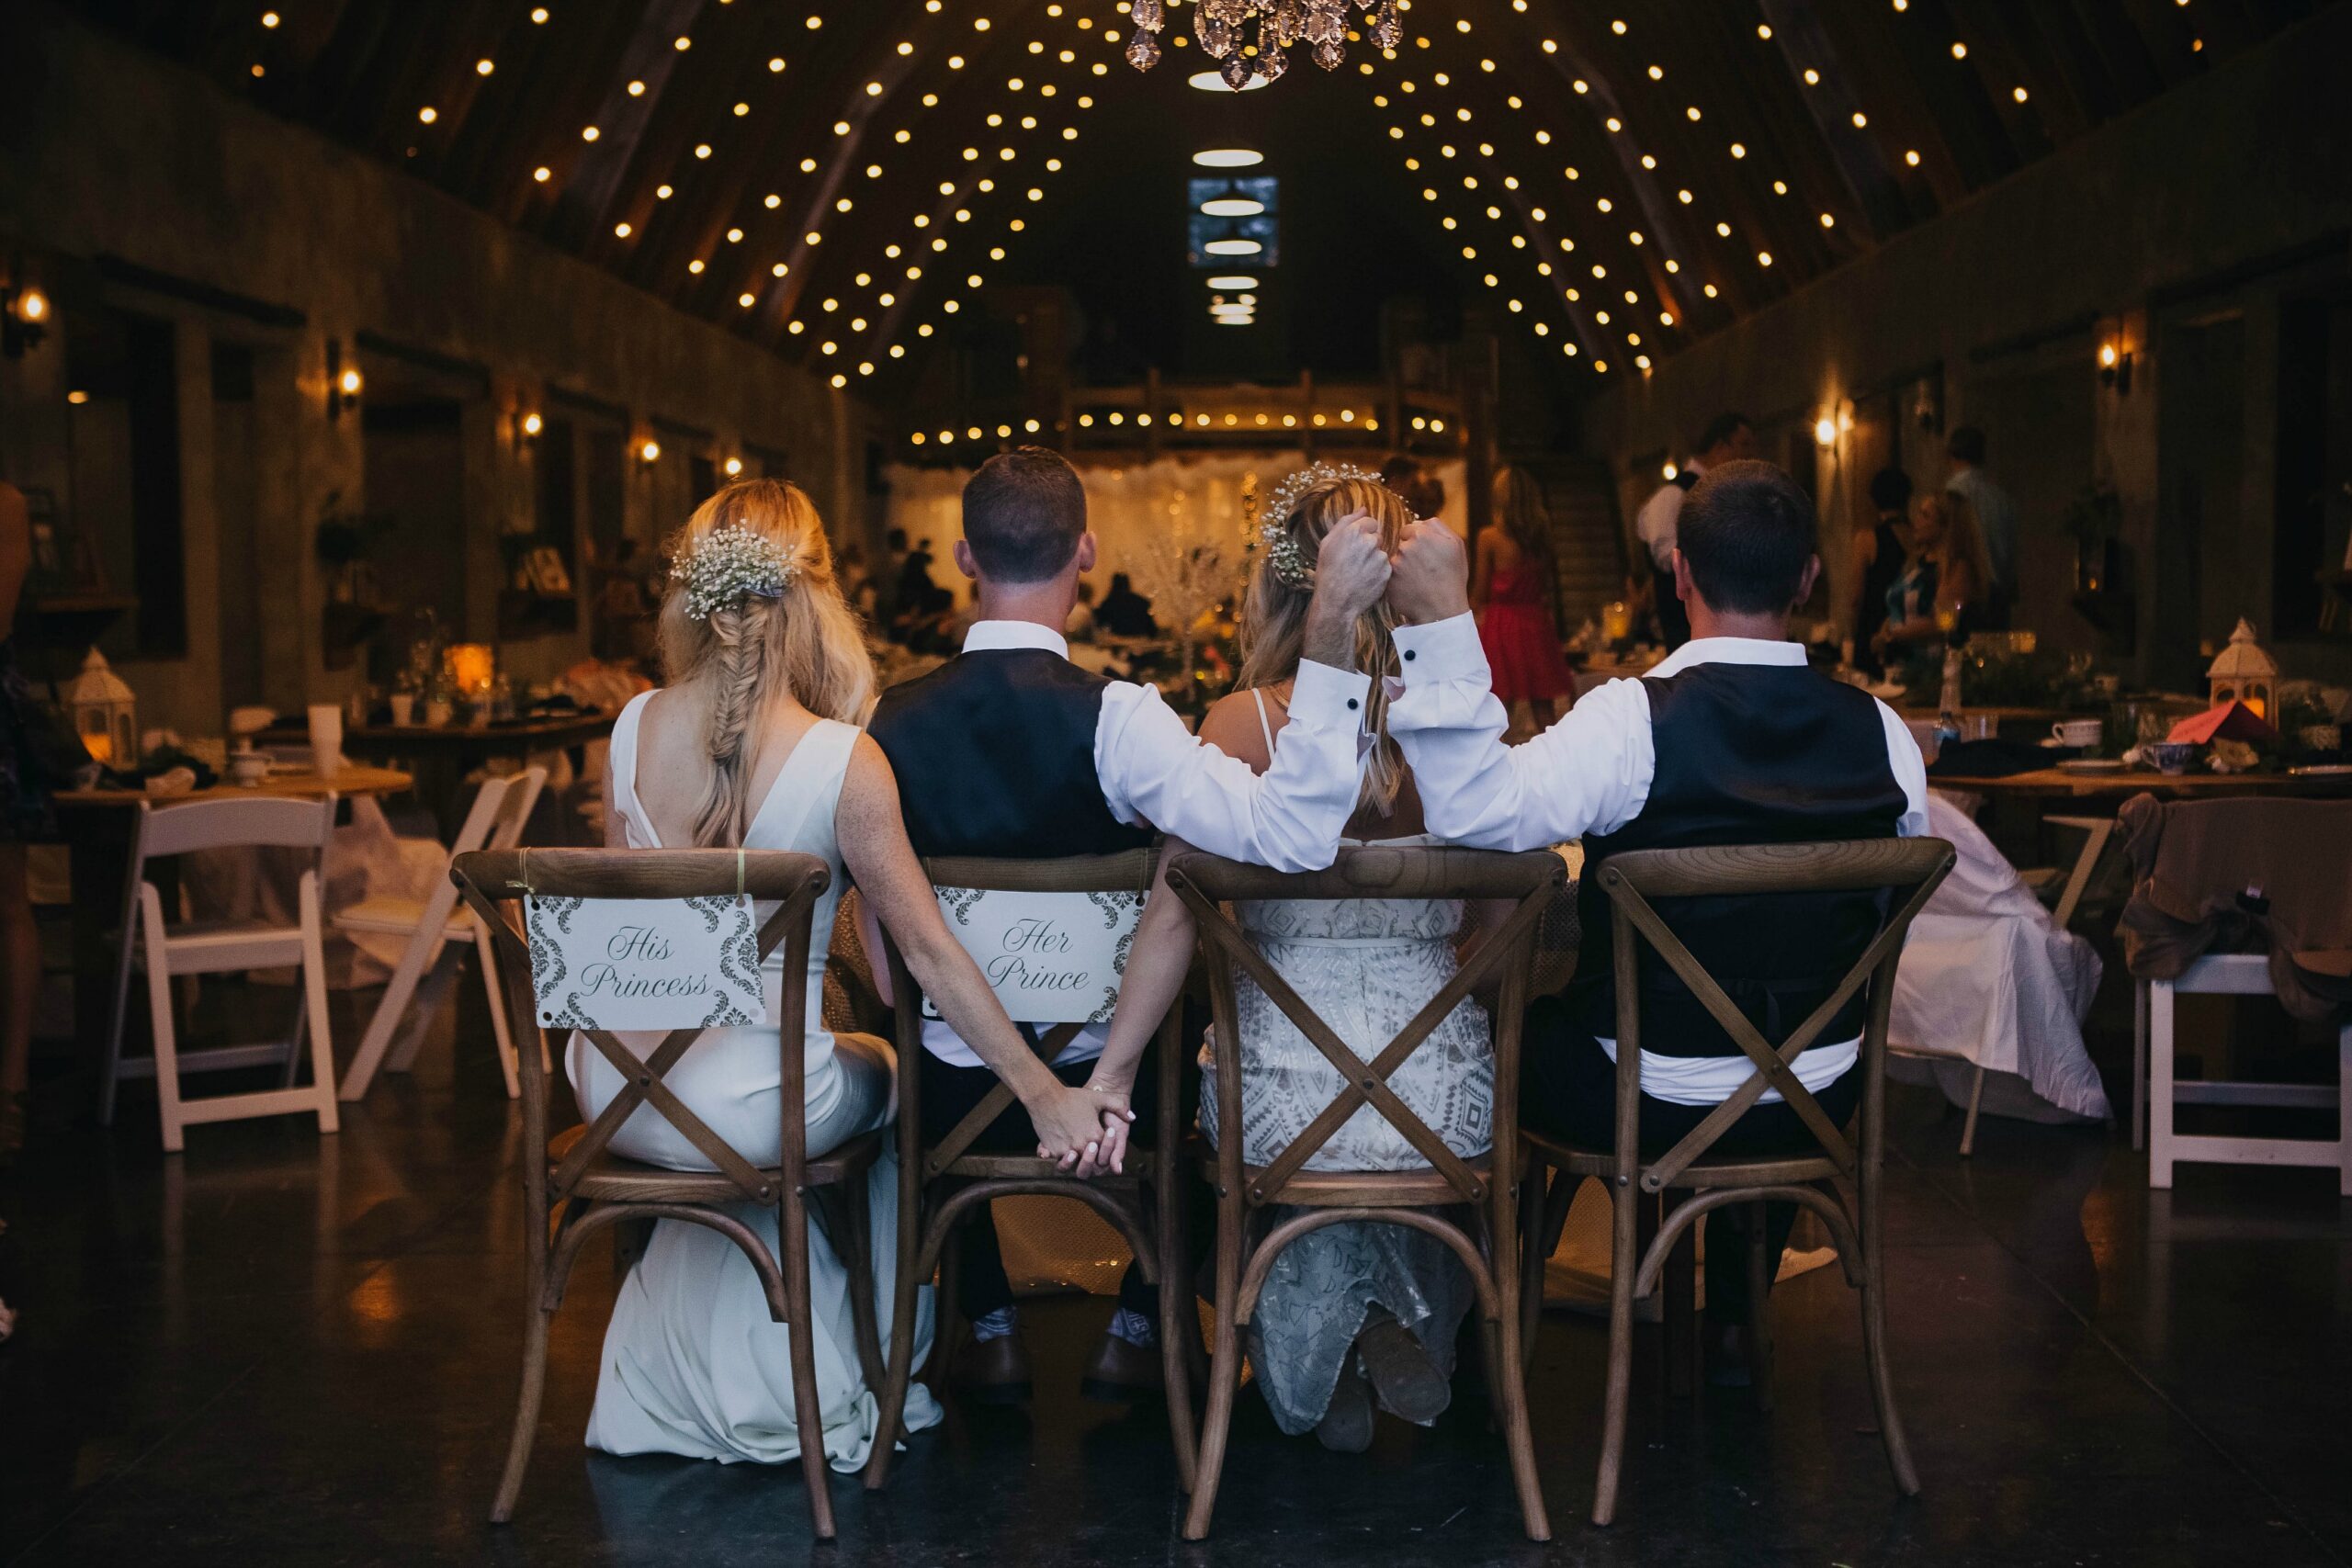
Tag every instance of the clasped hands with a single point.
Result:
(1428, 578)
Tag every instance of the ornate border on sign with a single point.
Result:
(959, 901)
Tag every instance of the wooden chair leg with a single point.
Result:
(849, 1226)
(2160, 1084)
(1177, 1318)
(2139, 1064)
(1890, 1421)
(898, 1367)
(1504, 1369)
(1975, 1099)
(1679, 1318)
(1621, 1360)
(809, 1416)
(1762, 1267)
(535, 1385)
(2344, 1107)
(486, 957)
(1558, 1195)
(1225, 1370)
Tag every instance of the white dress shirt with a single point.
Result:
(1156, 773)
(1589, 773)
(1660, 521)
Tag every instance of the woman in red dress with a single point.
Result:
(1511, 586)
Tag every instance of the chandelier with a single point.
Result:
(1225, 29)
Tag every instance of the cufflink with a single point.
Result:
(1410, 654)
(1351, 704)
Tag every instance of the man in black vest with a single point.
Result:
(1010, 752)
(1733, 739)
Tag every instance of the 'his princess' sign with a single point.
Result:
(1051, 957)
(645, 964)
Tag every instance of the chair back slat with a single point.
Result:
(1909, 869)
(522, 797)
(263, 822)
(792, 882)
(1207, 884)
(474, 833)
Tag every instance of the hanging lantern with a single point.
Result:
(2244, 672)
(104, 712)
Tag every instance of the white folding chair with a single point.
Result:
(224, 946)
(501, 810)
(2228, 974)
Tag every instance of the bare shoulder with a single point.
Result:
(868, 783)
(1232, 725)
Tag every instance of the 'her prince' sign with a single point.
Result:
(1051, 957)
(648, 963)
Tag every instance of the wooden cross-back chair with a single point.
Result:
(1488, 1184)
(575, 1185)
(1907, 871)
(942, 1186)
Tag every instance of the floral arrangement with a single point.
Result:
(730, 563)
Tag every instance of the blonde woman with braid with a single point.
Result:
(755, 744)
(1361, 1313)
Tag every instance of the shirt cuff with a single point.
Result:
(1441, 651)
(1323, 696)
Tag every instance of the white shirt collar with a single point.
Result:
(988, 637)
(1727, 650)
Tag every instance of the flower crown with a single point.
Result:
(1284, 554)
(730, 563)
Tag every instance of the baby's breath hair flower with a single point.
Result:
(732, 563)
(1284, 554)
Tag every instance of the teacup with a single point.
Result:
(403, 708)
(248, 769)
(2170, 756)
(2078, 733)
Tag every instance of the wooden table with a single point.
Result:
(442, 755)
(2056, 784)
(97, 826)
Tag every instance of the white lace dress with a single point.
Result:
(1366, 968)
(692, 1362)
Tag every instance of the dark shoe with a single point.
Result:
(1345, 1427)
(1729, 1364)
(1121, 1373)
(994, 1371)
(1407, 1382)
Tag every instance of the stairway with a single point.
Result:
(1587, 540)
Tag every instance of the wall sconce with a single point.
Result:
(734, 467)
(24, 316)
(343, 381)
(648, 451)
(1825, 433)
(2115, 368)
(530, 425)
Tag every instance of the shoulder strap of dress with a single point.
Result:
(624, 761)
(1258, 695)
(819, 760)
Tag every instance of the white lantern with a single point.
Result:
(104, 712)
(2244, 672)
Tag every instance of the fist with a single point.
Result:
(1351, 569)
(1429, 580)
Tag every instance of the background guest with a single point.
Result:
(1124, 612)
(1879, 552)
(1944, 578)
(1997, 522)
(1411, 478)
(1727, 439)
(1513, 584)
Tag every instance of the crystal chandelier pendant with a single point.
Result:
(1249, 39)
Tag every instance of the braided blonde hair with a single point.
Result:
(1273, 616)
(804, 642)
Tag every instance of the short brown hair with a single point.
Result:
(1747, 532)
(1025, 512)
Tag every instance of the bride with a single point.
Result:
(1363, 1312)
(756, 744)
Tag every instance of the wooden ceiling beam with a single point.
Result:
(621, 120)
(1869, 180)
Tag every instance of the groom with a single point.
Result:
(1010, 752)
(1733, 739)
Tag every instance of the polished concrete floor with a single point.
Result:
(283, 1349)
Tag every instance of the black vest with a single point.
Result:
(995, 756)
(1747, 754)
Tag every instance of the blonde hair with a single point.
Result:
(1273, 614)
(806, 638)
(1519, 510)
(1963, 541)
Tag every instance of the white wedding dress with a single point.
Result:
(1367, 966)
(692, 1362)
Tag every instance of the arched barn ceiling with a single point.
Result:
(837, 178)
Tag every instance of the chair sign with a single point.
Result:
(1050, 957)
(647, 964)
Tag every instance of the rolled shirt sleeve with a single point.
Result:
(1910, 767)
(1588, 773)
(1290, 818)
